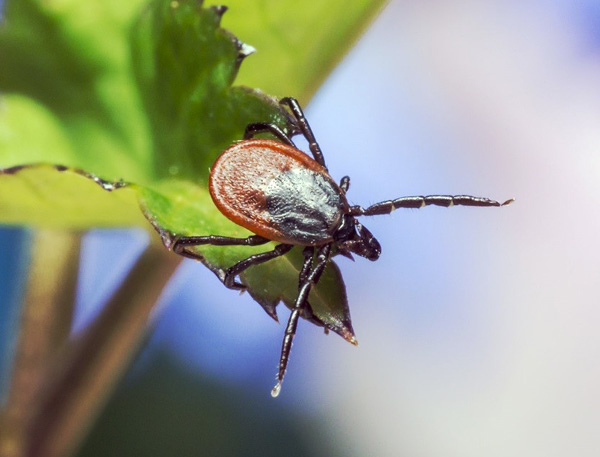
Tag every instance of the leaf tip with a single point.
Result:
(271, 310)
(349, 337)
(219, 10)
(244, 50)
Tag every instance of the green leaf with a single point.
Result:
(168, 69)
(56, 197)
(194, 113)
(72, 60)
(298, 43)
(141, 94)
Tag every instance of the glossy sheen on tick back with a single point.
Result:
(278, 192)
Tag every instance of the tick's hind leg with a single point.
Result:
(309, 280)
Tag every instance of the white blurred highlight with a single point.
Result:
(479, 328)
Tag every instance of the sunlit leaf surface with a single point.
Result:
(113, 106)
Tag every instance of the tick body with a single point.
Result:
(281, 194)
(277, 192)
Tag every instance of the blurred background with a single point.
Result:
(477, 328)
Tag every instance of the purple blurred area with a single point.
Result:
(477, 328)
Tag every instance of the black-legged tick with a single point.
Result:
(281, 194)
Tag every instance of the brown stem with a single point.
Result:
(94, 362)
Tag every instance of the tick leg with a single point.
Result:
(261, 127)
(388, 206)
(304, 126)
(255, 259)
(181, 243)
(308, 253)
(345, 183)
(303, 291)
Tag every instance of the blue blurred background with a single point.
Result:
(477, 328)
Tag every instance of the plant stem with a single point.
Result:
(94, 362)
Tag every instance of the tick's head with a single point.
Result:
(353, 238)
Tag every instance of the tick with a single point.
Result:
(281, 194)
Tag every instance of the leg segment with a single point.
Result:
(262, 127)
(314, 147)
(303, 291)
(256, 259)
(388, 206)
(181, 243)
(308, 253)
(345, 183)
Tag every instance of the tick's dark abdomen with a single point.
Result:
(304, 205)
(277, 192)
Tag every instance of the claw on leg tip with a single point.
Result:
(276, 390)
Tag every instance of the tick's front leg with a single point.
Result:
(309, 280)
